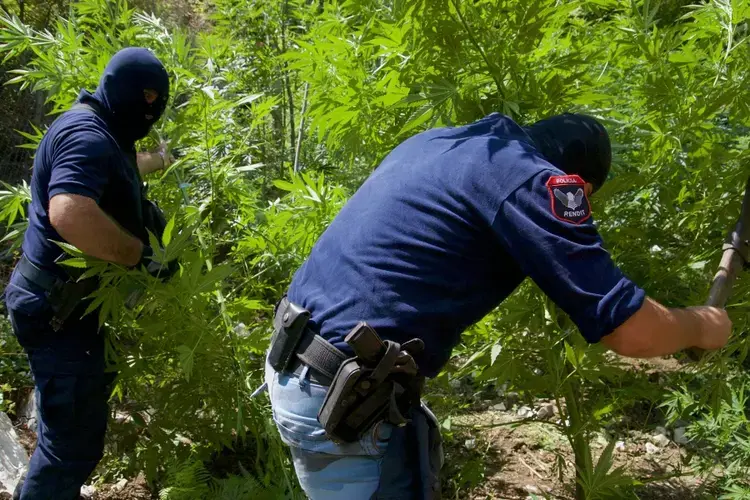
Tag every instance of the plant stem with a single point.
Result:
(472, 38)
(301, 127)
(576, 435)
(210, 173)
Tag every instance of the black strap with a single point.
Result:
(41, 278)
(314, 351)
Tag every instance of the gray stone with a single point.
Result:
(87, 492)
(525, 412)
(661, 430)
(470, 444)
(660, 440)
(531, 488)
(499, 407)
(27, 411)
(123, 418)
(620, 446)
(680, 437)
(545, 412)
(120, 485)
(651, 448)
(13, 458)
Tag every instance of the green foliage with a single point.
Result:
(14, 371)
(343, 82)
(13, 202)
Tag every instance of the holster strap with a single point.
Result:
(321, 355)
(314, 351)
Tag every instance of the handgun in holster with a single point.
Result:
(380, 383)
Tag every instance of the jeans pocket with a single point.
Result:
(295, 407)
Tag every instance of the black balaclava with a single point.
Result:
(576, 144)
(121, 92)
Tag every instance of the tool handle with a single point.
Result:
(732, 261)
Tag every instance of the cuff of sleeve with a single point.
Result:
(614, 309)
(71, 188)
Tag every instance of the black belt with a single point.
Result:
(41, 278)
(322, 358)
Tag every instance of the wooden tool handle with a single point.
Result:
(732, 262)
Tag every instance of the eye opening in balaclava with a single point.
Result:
(576, 144)
(122, 87)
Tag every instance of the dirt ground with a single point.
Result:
(137, 489)
(535, 460)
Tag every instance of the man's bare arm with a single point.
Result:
(656, 330)
(80, 221)
(149, 162)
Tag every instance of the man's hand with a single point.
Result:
(158, 160)
(656, 330)
(715, 327)
(157, 269)
(80, 222)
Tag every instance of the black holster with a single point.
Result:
(64, 296)
(381, 383)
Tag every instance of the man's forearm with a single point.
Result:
(672, 330)
(656, 330)
(81, 222)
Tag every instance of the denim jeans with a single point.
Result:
(375, 467)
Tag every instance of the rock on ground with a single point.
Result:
(27, 411)
(680, 437)
(545, 412)
(660, 440)
(87, 492)
(13, 458)
(661, 431)
(525, 411)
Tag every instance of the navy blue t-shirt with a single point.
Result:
(448, 225)
(78, 155)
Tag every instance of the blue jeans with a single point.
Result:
(378, 466)
(72, 389)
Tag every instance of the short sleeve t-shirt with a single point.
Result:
(449, 224)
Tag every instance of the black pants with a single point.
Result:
(72, 390)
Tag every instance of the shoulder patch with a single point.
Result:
(568, 200)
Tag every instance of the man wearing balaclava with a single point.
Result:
(86, 191)
(448, 225)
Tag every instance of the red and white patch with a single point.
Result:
(568, 200)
